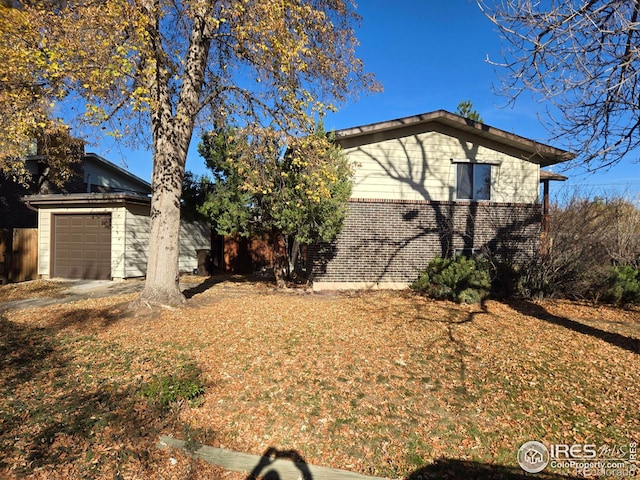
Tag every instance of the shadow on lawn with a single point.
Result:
(265, 471)
(453, 469)
(441, 469)
(208, 283)
(89, 319)
(212, 281)
(58, 410)
(537, 311)
(24, 351)
(451, 318)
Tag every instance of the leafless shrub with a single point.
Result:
(587, 237)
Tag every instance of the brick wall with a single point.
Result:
(391, 241)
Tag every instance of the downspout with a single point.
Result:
(29, 206)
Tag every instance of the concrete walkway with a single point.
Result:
(287, 465)
(78, 290)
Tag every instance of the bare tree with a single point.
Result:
(583, 58)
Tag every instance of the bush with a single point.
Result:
(184, 385)
(461, 279)
(546, 276)
(623, 286)
(586, 237)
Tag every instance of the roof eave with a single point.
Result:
(545, 154)
(85, 199)
(546, 176)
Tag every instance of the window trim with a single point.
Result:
(497, 163)
(473, 162)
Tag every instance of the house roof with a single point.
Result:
(145, 186)
(546, 154)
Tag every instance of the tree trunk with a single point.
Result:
(163, 275)
(172, 129)
(280, 260)
(294, 253)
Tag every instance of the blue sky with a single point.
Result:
(430, 55)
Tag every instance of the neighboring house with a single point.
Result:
(92, 174)
(100, 229)
(432, 185)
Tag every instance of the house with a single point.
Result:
(18, 220)
(431, 185)
(100, 228)
(91, 174)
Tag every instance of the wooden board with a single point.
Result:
(288, 465)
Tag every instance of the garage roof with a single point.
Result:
(86, 198)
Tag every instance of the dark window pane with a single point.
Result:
(464, 188)
(482, 182)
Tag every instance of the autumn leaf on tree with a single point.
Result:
(148, 70)
(295, 189)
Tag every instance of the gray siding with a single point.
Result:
(137, 241)
(98, 174)
(193, 236)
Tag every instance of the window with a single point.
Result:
(468, 252)
(473, 181)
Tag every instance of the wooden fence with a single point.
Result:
(18, 254)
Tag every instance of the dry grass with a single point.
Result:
(383, 383)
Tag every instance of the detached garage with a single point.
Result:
(103, 236)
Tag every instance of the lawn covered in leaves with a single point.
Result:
(31, 289)
(382, 383)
